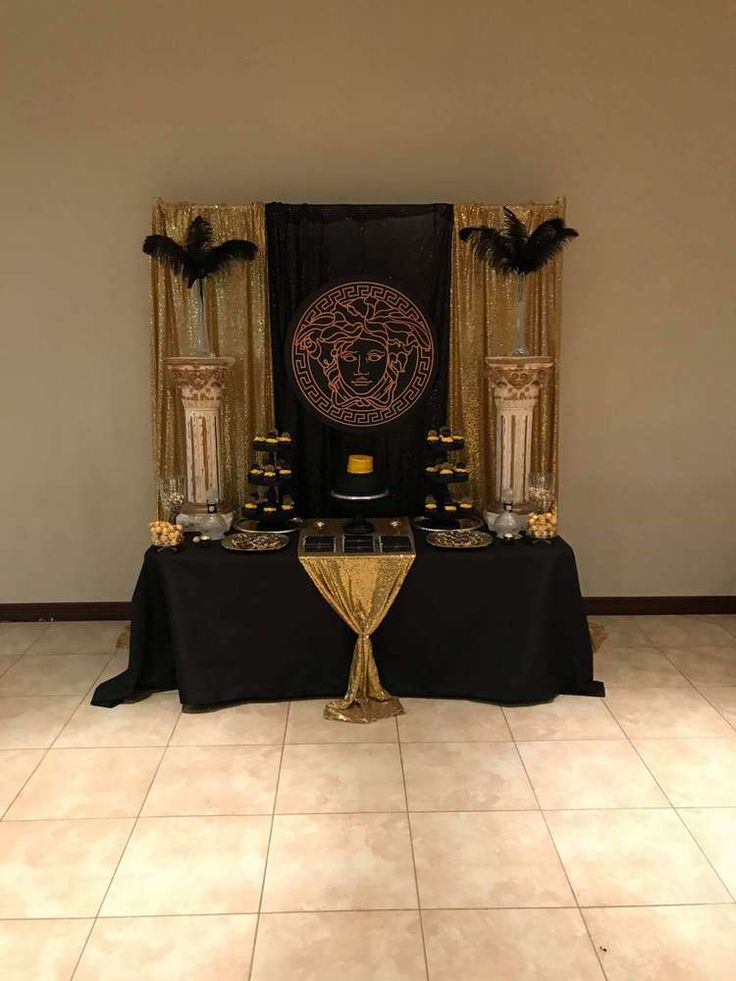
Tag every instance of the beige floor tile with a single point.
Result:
(15, 638)
(79, 637)
(725, 620)
(87, 783)
(622, 632)
(434, 720)
(6, 662)
(705, 665)
(148, 722)
(674, 631)
(487, 858)
(307, 724)
(670, 943)
(169, 948)
(715, 831)
(628, 857)
(30, 722)
(179, 865)
(339, 862)
(723, 698)
(567, 717)
(215, 780)
(41, 950)
(509, 945)
(53, 674)
(348, 946)
(115, 666)
(343, 777)
(58, 868)
(232, 725)
(16, 766)
(625, 667)
(466, 777)
(693, 772)
(665, 712)
(589, 774)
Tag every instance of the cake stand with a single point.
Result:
(358, 524)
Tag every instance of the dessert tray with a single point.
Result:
(253, 526)
(432, 523)
(460, 539)
(249, 542)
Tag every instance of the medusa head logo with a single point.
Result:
(361, 354)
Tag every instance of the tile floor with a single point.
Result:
(583, 839)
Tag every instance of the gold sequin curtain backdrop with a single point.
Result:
(237, 317)
(482, 317)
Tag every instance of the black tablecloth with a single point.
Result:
(503, 624)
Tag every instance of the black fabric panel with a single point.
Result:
(505, 624)
(405, 245)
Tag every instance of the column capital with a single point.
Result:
(200, 379)
(518, 378)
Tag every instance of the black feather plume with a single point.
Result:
(167, 251)
(546, 241)
(513, 250)
(515, 229)
(465, 233)
(221, 256)
(199, 235)
(493, 246)
(198, 258)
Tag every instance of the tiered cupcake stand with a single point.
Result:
(269, 507)
(444, 510)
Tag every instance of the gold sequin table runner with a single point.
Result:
(360, 588)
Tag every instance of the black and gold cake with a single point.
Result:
(359, 478)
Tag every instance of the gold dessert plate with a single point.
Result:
(249, 542)
(459, 539)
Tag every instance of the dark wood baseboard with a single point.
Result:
(594, 605)
(64, 611)
(638, 606)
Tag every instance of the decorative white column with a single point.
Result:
(515, 384)
(201, 382)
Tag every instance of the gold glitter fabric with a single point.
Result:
(361, 589)
(237, 318)
(482, 318)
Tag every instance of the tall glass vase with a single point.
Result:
(201, 347)
(520, 349)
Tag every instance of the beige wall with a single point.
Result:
(619, 105)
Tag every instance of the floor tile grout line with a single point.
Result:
(411, 847)
(559, 857)
(36, 640)
(268, 843)
(679, 816)
(630, 741)
(689, 681)
(729, 904)
(465, 810)
(716, 709)
(123, 850)
(47, 749)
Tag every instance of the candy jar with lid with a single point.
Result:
(212, 524)
(506, 525)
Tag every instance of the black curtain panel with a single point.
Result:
(407, 246)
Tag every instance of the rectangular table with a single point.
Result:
(504, 624)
